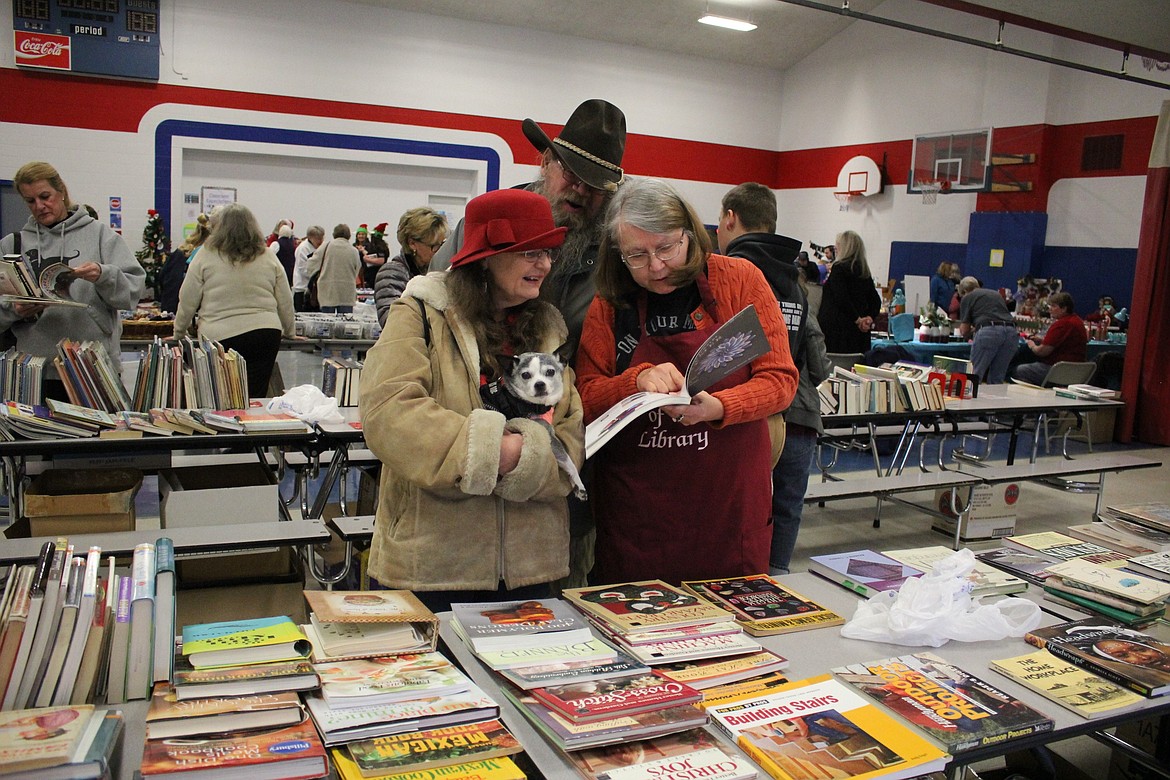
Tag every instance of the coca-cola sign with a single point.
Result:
(41, 50)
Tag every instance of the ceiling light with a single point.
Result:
(727, 22)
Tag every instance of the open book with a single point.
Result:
(733, 345)
(19, 284)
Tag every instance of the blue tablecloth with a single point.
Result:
(924, 352)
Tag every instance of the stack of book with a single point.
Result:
(1156, 565)
(959, 710)
(367, 624)
(694, 752)
(60, 743)
(90, 376)
(24, 421)
(190, 374)
(656, 623)
(986, 580)
(1029, 556)
(341, 379)
(21, 376)
(248, 420)
(1123, 596)
(901, 387)
(762, 606)
(511, 634)
(235, 697)
(1135, 529)
(1122, 655)
(820, 727)
(866, 572)
(471, 750)
(68, 635)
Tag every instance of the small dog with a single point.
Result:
(533, 385)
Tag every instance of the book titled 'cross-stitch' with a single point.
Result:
(235, 642)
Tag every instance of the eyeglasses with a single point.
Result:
(667, 253)
(572, 179)
(534, 256)
(433, 247)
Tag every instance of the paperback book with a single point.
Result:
(1152, 515)
(339, 726)
(733, 345)
(693, 649)
(694, 753)
(1029, 566)
(368, 606)
(170, 718)
(985, 579)
(862, 571)
(1126, 656)
(295, 752)
(20, 284)
(1062, 547)
(37, 739)
(567, 672)
(433, 748)
(499, 625)
(1086, 606)
(645, 605)
(820, 727)
(963, 712)
(591, 650)
(235, 642)
(709, 672)
(1152, 565)
(1099, 579)
(503, 768)
(1070, 686)
(365, 682)
(763, 606)
(345, 641)
(192, 683)
(603, 699)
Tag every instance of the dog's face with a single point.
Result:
(537, 377)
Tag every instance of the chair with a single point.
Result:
(844, 359)
(1068, 372)
(902, 327)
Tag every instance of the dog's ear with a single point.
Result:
(509, 364)
(561, 353)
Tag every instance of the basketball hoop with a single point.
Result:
(930, 190)
(844, 199)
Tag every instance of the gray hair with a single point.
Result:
(967, 284)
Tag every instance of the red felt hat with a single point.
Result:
(380, 228)
(507, 221)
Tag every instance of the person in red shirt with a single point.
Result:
(1065, 339)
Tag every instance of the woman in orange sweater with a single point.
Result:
(683, 492)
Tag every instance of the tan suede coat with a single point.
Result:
(444, 520)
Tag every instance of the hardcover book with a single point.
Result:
(733, 345)
(41, 738)
(368, 606)
(400, 717)
(1070, 686)
(192, 683)
(1062, 547)
(364, 682)
(1029, 566)
(1127, 657)
(693, 649)
(984, 578)
(1098, 579)
(498, 625)
(962, 711)
(172, 718)
(433, 748)
(641, 606)
(763, 606)
(1152, 515)
(751, 688)
(566, 672)
(689, 754)
(344, 641)
(820, 727)
(709, 672)
(296, 750)
(591, 650)
(1153, 565)
(862, 571)
(602, 699)
(235, 642)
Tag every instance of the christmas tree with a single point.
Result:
(155, 246)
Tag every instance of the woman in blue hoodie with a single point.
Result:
(105, 274)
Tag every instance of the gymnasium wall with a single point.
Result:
(327, 111)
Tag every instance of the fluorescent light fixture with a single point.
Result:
(727, 22)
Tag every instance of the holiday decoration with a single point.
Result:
(155, 247)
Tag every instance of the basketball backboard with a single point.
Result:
(960, 159)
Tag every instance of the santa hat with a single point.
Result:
(363, 228)
(380, 228)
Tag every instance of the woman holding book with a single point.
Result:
(471, 504)
(683, 492)
(105, 275)
(238, 290)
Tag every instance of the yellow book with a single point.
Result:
(491, 769)
(235, 642)
(1068, 685)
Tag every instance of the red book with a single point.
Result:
(297, 749)
(601, 699)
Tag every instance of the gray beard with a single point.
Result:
(584, 233)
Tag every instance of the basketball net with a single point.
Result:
(843, 199)
(930, 190)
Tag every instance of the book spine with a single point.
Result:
(1059, 650)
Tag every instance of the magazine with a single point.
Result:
(763, 606)
(733, 345)
(19, 284)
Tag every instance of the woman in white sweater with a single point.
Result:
(236, 292)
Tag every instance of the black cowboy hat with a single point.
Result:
(591, 144)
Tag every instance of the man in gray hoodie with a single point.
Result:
(105, 275)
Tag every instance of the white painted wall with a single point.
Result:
(869, 83)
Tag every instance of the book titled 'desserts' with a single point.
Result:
(235, 642)
(960, 710)
(1127, 657)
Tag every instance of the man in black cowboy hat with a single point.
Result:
(580, 170)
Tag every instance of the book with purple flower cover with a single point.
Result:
(863, 571)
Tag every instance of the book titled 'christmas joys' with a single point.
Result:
(958, 709)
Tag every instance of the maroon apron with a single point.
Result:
(677, 502)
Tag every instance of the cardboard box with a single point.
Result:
(1101, 425)
(63, 502)
(217, 495)
(992, 514)
(1144, 735)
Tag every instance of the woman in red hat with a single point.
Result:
(471, 504)
(682, 492)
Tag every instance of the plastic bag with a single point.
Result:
(931, 610)
(308, 403)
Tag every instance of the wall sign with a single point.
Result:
(97, 37)
(210, 197)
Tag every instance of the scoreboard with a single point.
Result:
(96, 37)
